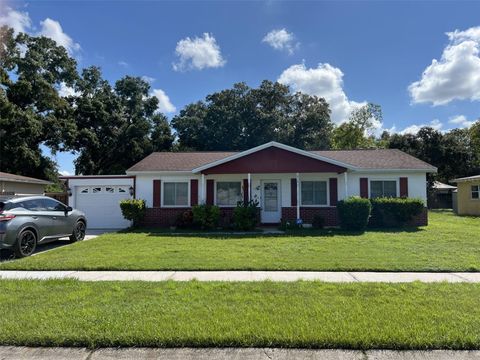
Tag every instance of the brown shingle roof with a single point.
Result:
(377, 159)
(178, 161)
(19, 178)
(363, 159)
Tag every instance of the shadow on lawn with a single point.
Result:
(222, 234)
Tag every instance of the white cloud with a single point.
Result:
(461, 121)
(413, 129)
(198, 53)
(53, 30)
(65, 90)
(148, 79)
(164, 103)
(324, 81)
(456, 76)
(123, 63)
(19, 21)
(65, 173)
(281, 39)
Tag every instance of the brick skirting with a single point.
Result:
(164, 217)
(307, 214)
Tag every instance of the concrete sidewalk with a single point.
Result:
(386, 277)
(19, 353)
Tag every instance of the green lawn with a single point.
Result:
(449, 243)
(301, 314)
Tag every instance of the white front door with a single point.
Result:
(271, 208)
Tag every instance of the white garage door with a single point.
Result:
(101, 205)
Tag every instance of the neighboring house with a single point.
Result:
(289, 183)
(441, 196)
(11, 184)
(468, 195)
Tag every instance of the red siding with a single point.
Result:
(193, 192)
(293, 192)
(404, 187)
(156, 193)
(364, 188)
(245, 190)
(333, 191)
(210, 190)
(274, 160)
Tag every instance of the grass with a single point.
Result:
(449, 243)
(266, 314)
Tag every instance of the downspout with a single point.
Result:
(249, 187)
(203, 189)
(345, 177)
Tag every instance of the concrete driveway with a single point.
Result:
(91, 234)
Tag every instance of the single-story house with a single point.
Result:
(288, 182)
(468, 195)
(11, 184)
(441, 196)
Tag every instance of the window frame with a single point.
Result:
(397, 186)
(227, 181)
(327, 195)
(176, 182)
(475, 191)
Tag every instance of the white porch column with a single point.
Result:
(298, 196)
(203, 189)
(345, 178)
(249, 187)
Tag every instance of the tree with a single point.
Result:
(117, 126)
(241, 118)
(32, 113)
(358, 131)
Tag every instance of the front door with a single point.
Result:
(271, 208)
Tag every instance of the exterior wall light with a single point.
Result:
(130, 189)
(69, 192)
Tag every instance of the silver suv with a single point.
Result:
(28, 221)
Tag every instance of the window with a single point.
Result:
(33, 205)
(475, 192)
(175, 194)
(109, 190)
(314, 192)
(96, 190)
(84, 191)
(381, 188)
(52, 205)
(229, 193)
(122, 190)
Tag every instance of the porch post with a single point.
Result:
(203, 189)
(298, 197)
(345, 178)
(249, 186)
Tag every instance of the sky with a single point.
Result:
(418, 60)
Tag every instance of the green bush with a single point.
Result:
(245, 215)
(205, 216)
(318, 221)
(185, 219)
(289, 225)
(354, 213)
(133, 210)
(394, 212)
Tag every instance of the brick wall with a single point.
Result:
(307, 214)
(164, 217)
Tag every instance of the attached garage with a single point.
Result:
(99, 198)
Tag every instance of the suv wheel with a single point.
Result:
(78, 233)
(26, 244)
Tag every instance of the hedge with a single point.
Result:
(354, 213)
(394, 212)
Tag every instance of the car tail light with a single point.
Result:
(7, 217)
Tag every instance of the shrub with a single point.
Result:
(206, 216)
(354, 213)
(318, 222)
(245, 215)
(185, 219)
(133, 210)
(394, 212)
(289, 225)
